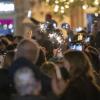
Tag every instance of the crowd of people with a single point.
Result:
(32, 69)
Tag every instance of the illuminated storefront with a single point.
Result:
(7, 17)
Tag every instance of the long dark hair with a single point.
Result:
(80, 66)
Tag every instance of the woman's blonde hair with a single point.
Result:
(28, 49)
(51, 69)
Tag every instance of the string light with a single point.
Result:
(62, 11)
(47, 1)
(96, 2)
(85, 6)
(71, 1)
(56, 1)
(66, 6)
(60, 6)
(29, 14)
(67, 3)
(96, 14)
(64, 0)
(56, 8)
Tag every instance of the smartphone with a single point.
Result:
(78, 47)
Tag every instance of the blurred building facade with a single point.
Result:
(76, 18)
